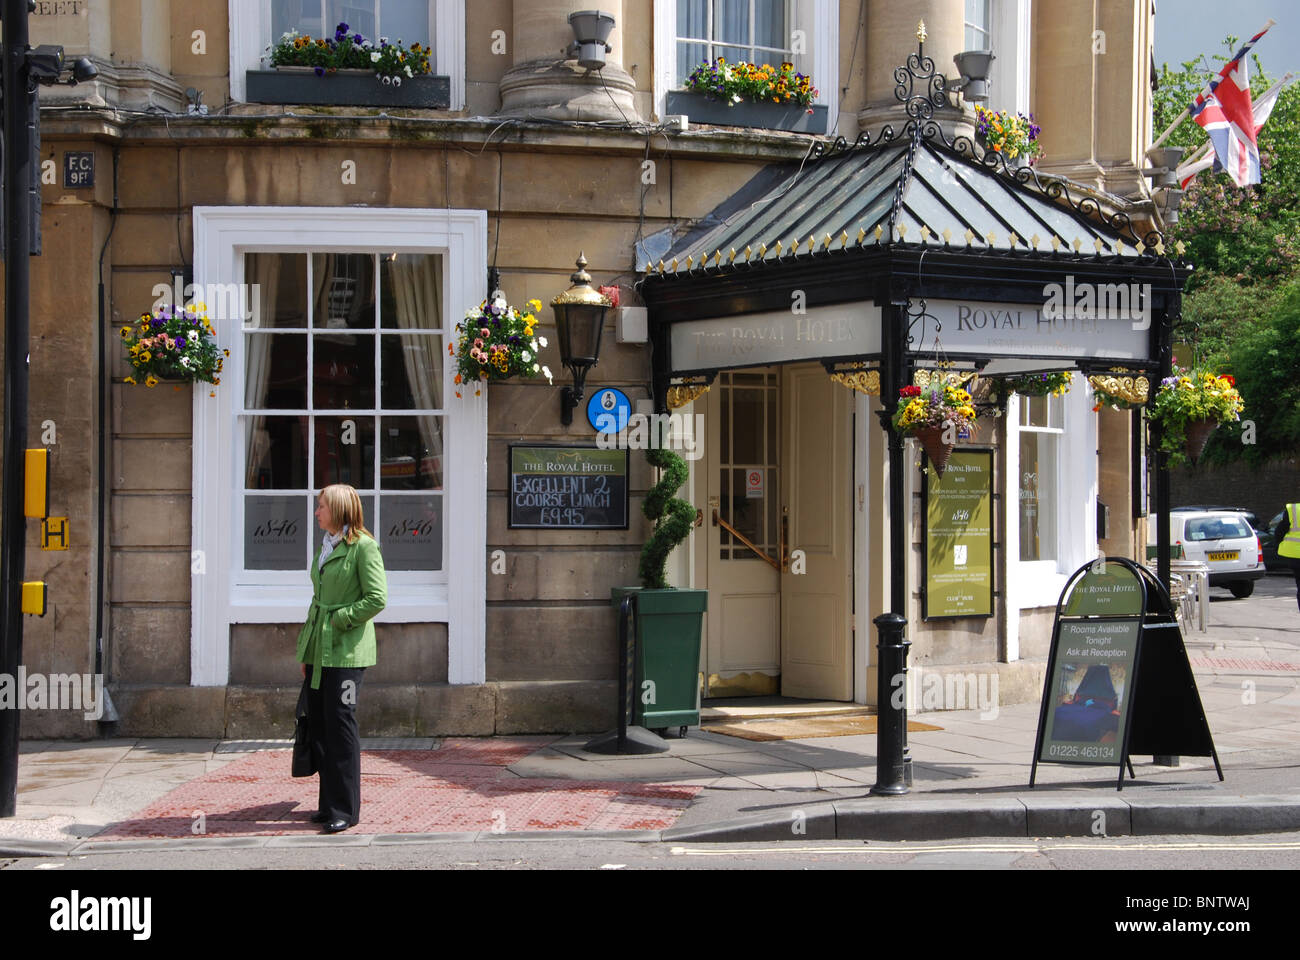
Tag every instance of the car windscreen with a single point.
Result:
(1217, 528)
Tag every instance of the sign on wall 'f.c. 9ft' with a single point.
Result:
(959, 537)
(568, 488)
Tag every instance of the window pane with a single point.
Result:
(277, 289)
(344, 371)
(301, 15)
(345, 451)
(405, 20)
(734, 54)
(410, 451)
(749, 427)
(412, 291)
(731, 20)
(367, 511)
(412, 533)
(1038, 484)
(344, 295)
(689, 56)
(359, 15)
(276, 453)
(275, 532)
(410, 370)
(275, 371)
(693, 19)
(769, 24)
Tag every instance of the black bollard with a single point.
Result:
(891, 706)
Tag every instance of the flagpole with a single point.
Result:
(1165, 136)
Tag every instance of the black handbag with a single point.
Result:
(304, 758)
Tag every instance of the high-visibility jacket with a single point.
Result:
(1290, 545)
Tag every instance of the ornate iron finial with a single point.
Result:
(918, 85)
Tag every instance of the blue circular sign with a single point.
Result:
(608, 410)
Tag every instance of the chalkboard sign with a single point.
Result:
(1118, 680)
(575, 488)
(958, 538)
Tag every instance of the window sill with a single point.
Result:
(1038, 584)
(765, 116)
(361, 89)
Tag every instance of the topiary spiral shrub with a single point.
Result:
(669, 530)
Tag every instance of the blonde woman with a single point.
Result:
(335, 646)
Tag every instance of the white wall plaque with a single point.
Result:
(755, 339)
(1065, 327)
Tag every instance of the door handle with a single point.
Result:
(699, 518)
(719, 522)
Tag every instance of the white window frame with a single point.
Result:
(457, 596)
(1038, 583)
(1009, 75)
(823, 42)
(250, 34)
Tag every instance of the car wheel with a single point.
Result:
(1241, 589)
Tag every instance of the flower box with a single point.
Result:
(765, 116)
(346, 88)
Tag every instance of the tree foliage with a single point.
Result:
(1241, 308)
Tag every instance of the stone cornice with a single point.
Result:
(258, 124)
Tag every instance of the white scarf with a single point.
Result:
(331, 541)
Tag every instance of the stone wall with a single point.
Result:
(1264, 489)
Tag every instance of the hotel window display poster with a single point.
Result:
(958, 537)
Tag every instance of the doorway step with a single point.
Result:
(777, 708)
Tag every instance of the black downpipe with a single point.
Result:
(109, 715)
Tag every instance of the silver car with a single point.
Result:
(1224, 541)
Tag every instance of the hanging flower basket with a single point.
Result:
(496, 342)
(173, 343)
(1188, 407)
(1054, 384)
(1197, 435)
(932, 442)
(938, 415)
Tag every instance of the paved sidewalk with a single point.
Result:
(970, 778)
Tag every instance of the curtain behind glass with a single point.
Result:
(263, 270)
(417, 293)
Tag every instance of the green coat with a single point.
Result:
(346, 594)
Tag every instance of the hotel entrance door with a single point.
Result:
(778, 534)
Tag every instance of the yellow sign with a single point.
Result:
(34, 595)
(54, 533)
(36, 486)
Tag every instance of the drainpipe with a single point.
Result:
(108, 716)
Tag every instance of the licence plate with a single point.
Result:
(1223, 555)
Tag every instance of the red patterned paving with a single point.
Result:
(462, 786)
(1236, 663)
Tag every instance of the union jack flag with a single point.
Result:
(1223, 109)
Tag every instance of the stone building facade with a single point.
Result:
(532, 161)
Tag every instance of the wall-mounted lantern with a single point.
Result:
(579, 319)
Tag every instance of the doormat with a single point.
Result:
(799, 728)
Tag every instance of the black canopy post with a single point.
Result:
(893, 765)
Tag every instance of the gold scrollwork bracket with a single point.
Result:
(1120, 384)
(863, 381)
(680, 394)
(953, 378)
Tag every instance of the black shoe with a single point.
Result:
(336, 826)
(319, 817)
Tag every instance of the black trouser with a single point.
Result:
(1295, 568)
(332, 721)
